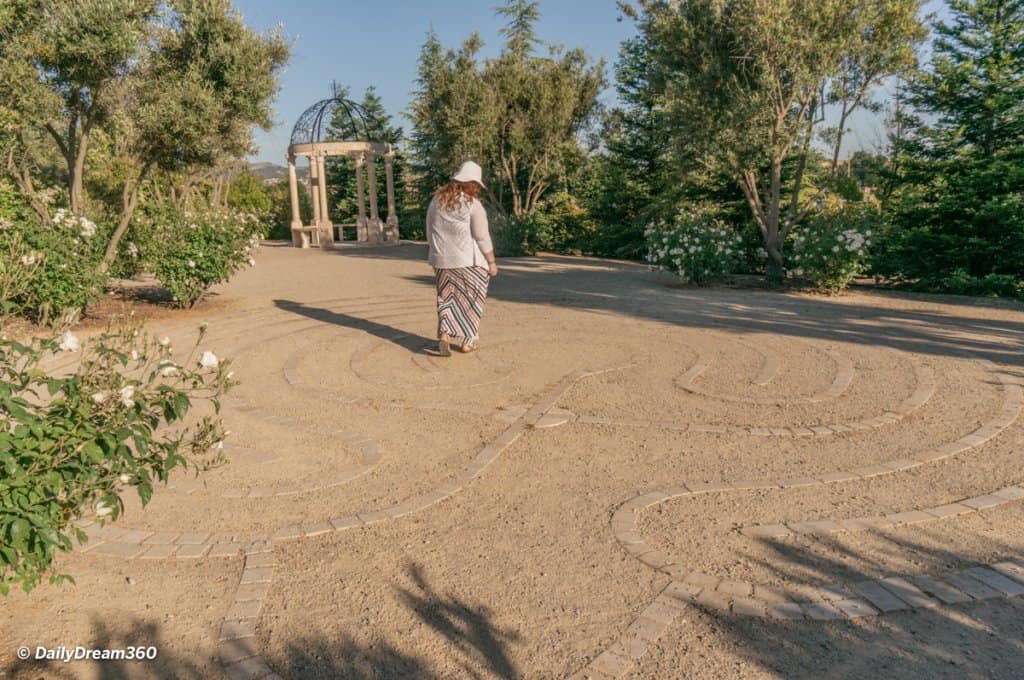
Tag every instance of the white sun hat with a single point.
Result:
(470, 172)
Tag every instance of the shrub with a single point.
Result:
(696, 246)
(18, 264)
(71, 441)
(960, 282)
(69, 278)
(831, 248)
(560, 225)
(509, 235)
(51, 272)
(190, 252)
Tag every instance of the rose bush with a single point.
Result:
(74, 435)
(696, 246)
(190, 252)
(49, 271)
(831, 248)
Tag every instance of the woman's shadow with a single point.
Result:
(408, 341)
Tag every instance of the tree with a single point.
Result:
(747, 84)
(248, 194)
(174, 85)
(635, 169)
(959, 216)
(374, 124)
(519, 114)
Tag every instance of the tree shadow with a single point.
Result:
(466, 626)
(480, 647)
(404, 339)
(977, 639)
(137, 633)
(630, 290)
(346, 658)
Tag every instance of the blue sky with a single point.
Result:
(377, 43)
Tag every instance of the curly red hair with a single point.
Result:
(451, 195)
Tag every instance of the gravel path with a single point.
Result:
(629, 479)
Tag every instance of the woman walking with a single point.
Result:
(462, 256)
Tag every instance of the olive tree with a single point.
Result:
(172, 85)
(750, 85)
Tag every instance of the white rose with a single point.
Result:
(102, 509)
(165, 341)
(208, 360)
(28, 260)
(99, 397)
(124, 479)
(127, 393)
(191, 264)
(69, 342)
(252, 262)
(168, 369)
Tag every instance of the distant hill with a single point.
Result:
(271, 172)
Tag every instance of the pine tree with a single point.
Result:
(959, 219)
(370, 122)
(522, 16)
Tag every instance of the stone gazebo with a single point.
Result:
(308, 142)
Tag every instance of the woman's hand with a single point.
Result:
(492, 269)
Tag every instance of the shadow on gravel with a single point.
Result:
(411, 342)
(465, 626)
(480, 647)
(629, 289)
(140, 634)
(977, 639)
(316, 658)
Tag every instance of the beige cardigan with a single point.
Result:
(460, 238)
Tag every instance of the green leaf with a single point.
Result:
(145, 492)
(93, 453)
(19, 532)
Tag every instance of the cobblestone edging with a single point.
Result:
(237, 646)
(832, 602)
(845, 373)
(924, 391)
(238, 650)
(828, 603)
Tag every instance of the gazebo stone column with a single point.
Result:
(369, 225)
(293, 193)
(360, 198)
(375, 235)
(314, 190)
(391, 233)
(326, 227)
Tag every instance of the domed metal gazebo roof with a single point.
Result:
(334, 127)
(314, 125)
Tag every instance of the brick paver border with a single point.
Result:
(831, 602)
(241, 658)
(845, 373)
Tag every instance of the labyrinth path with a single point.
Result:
(618, 457)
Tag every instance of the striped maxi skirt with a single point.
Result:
(460, 301)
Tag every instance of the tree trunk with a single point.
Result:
(775, 271)
(23, 178)
(77, 170)
(130, 198)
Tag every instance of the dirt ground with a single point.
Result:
(424, 517)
